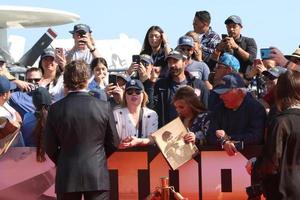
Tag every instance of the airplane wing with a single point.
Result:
(29, 58)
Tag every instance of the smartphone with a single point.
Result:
(224, 36)
(265, 53)
(112, 78)
(239, 145)
(59, 51)
(136, 59)
(256, 62)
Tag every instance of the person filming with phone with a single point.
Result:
(243, 48)
(84, 45)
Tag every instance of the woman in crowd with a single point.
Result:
(34, 123)
(99, 72)
(156, 45)
(52, 70)
(192, 113)
(197, 55)
(278, 166)
(135, 122)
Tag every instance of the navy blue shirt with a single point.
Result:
(247, 123)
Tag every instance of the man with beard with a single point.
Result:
(165, 88)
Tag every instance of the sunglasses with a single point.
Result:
(130, 92)
(185, 48)
(33, 80)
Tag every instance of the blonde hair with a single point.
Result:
(144, 101)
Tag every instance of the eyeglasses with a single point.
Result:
(130, 92)
(33, 80)
(1, 63)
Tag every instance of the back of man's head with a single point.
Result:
(76, 75)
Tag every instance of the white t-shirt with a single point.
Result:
(126, 127)
(85, 55)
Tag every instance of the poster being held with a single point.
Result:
(170, 141)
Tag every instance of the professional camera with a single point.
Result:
(254, 192)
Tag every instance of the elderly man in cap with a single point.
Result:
(243, 48)
(239, 119)
(209, 39)
(226, 64)
(165, 88)
(84, 45)
(197, 69)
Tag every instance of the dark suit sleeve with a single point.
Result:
(111, 136)
(51, 140)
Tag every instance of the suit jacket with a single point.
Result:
(80, 134)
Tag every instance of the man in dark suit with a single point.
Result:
(80, 134)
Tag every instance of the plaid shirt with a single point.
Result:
(209, 41)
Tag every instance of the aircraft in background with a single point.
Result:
(28, 17)
(117, 52)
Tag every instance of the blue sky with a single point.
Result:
(271, 23)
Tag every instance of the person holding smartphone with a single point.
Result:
(243, 48)
(84, 45)
(99, 71)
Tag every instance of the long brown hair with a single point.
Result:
(187, 94)
(38, 132)
(287, 92)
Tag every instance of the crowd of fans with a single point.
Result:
(224, 95)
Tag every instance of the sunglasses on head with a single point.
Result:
(33, 80)
(137, 92)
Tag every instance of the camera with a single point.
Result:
(254, 192)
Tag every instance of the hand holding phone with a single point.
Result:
(59, 51)
(112, 78)
(136, 59)
(224, 36)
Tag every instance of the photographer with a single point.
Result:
(243, 48)
(84, 45)
(278, 166)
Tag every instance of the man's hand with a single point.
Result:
(230, 43)
(278, 56)
(230, 148)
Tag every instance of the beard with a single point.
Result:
(175, 72)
